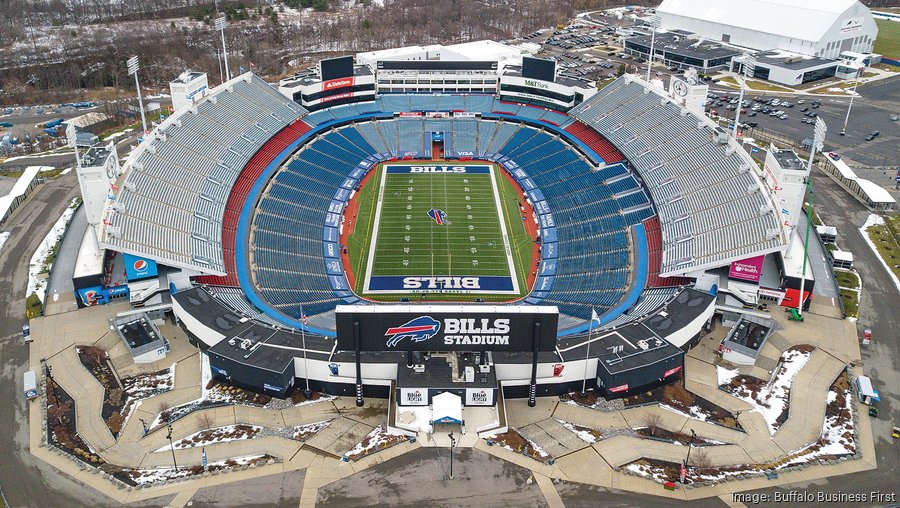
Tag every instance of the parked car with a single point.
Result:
(875, 134)
(834, 156)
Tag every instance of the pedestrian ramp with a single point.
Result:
(552, 437)
(339, 437)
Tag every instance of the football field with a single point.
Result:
(446, 228)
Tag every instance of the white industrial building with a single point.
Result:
(817, 28)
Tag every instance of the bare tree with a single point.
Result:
(652, 421)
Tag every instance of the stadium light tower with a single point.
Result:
(654, 24)
(133, 66)
(748, 67)
(221, 23)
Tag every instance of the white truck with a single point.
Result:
(31, 389)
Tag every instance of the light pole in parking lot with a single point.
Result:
(852, 95)
(748, 66)
(654, 24)
(133, 66)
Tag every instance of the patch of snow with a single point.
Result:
(4, 236)
(216, 435)
(772, 399)
(724, 376)
(167, 473)
(311, 427)
(372, 441)
(584, 435)
(35, 284)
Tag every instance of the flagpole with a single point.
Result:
(305, 364)
(587, 354)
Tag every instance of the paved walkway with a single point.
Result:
(56, 339)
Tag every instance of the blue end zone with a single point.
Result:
(438, 283)
(438, 169)
(641, 272)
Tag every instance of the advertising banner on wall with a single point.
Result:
(749, 269)
(137, 268)
(413, 397)
(479, 397)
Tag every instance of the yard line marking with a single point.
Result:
(371, 260)
(503, 232)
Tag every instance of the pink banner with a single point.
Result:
(749, 269)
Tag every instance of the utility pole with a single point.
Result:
(654, 24)
(748, 67)
(850, 106)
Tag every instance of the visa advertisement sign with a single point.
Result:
(137, 268)
(749, 269)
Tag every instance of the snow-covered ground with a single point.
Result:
(378, 439)
(4, 236)
(772, 399)
(421, 418)
(531, 444)
(223, 434)
(167, 473)
(877, 220)
(35, 284)
(579, 431)
(303, 432)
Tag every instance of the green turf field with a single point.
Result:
(888, 41)
(394, 225)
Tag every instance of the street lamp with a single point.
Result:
(855, 84)
(452, 442)
(221, 23)
(171, 445)
(654, 24)
(133, 67)
(748, 67)
(688, 457)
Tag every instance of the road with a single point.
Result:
(24, 480)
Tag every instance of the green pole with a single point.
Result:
(805, 245)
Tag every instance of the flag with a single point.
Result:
(303, 317)
(594, 316)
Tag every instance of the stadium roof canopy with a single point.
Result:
(807, 20)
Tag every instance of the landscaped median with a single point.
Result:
(883, 236)
(849, 284)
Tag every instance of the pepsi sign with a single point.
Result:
(137, 268)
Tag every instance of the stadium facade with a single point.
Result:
(642, 205)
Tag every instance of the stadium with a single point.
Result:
(509, 238)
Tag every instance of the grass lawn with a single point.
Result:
(755, 85)
(851, 302)
(886, 242)
(888, 41)
(847, 280)
(467, 241)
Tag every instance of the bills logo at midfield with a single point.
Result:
(418, 330)
(438, 216)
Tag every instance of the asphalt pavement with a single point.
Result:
(25, 481)
(881, 359)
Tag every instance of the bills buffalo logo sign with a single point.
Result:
(419, 329)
